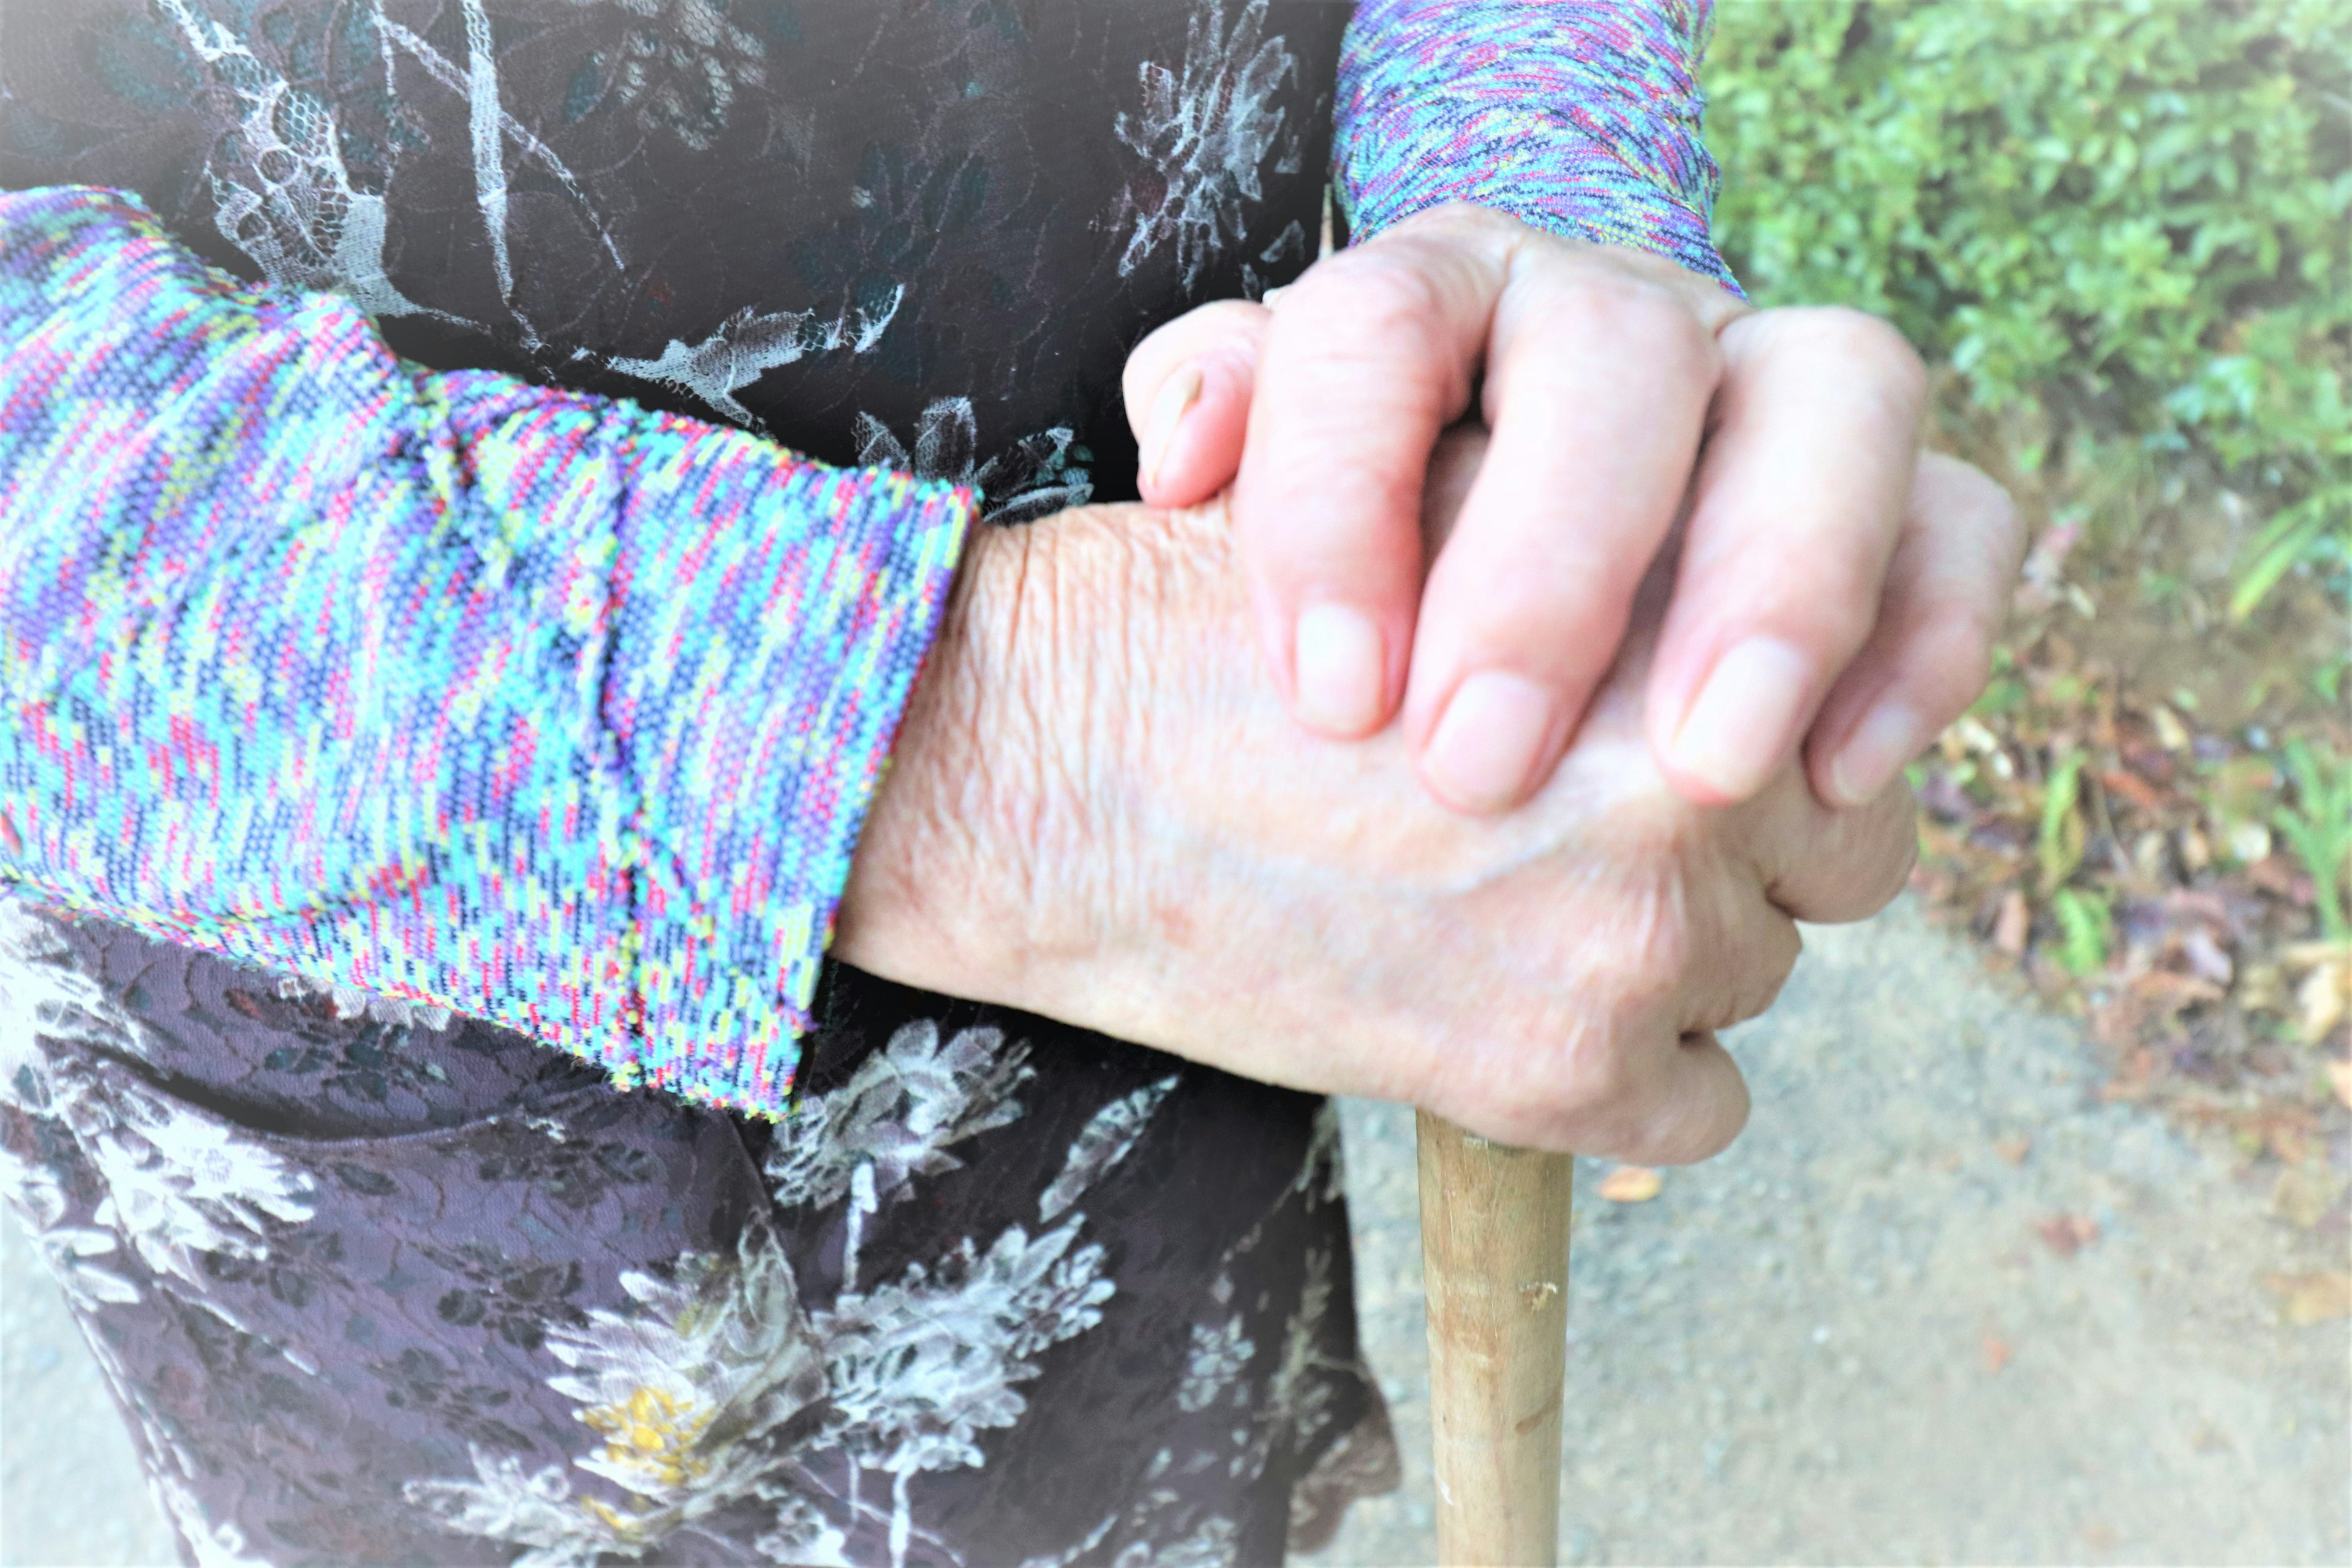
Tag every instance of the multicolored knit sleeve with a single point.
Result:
(541, 707)
(1577, 116)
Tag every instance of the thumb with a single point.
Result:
(1188, 388)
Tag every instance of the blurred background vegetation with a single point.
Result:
(2119, 230)
(2124, 217)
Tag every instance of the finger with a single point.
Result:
(1684, 1099)
(1927, 660)
(1829, 866)
(1681, 1099)
(1372, 355)
(1453, 467)
(1597, 391)
(1188, 387)
(1792, 524)
(1706, 1110)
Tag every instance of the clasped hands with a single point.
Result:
(1383, 755)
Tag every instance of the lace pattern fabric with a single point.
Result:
(376, 1289)
(374, 1279)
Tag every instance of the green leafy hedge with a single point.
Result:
(2129, 215)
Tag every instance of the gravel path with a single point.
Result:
(69, 1493)
(1789, 1355)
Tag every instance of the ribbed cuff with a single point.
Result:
(1581, 117)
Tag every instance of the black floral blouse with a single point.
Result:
(373, 1283)
(720, 205)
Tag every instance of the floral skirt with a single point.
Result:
(375, 1284)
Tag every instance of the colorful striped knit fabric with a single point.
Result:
(546, 708)
(1577, 116)
(542, 706)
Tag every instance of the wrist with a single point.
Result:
(903, 914)
(1013, 854)
(971, 876)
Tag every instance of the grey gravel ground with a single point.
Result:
(1782, 1358)
(69, 1491)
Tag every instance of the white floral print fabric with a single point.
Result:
(375, 1282)
(941, 1316)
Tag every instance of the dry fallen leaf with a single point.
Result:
(2313, 1297)
(2261, 988)
(2013, 925)
(2133, 788)
(2277, 875)
(2163, 988)
(2068, 1234)
(2196, 852)
(1996, 1351)
(2217, 1004)
(2013, 1149)
(2325, 997)
(1630, 1185)
(2207, 958)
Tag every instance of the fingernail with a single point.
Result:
(1891, 736)
(1177, 395)
(1341, 669)
(1732, 735)
(1483, 753)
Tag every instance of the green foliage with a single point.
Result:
(2084, 918)
(2127, 217)
(2319, 826)
(2060, 849)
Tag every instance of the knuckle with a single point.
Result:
(1955, 494)
(1867, 340)
(1371, 291)
(2007, 524)
(1831, 603)
(1650, 961)
(1846, 610)
(1597, 1083)
(1952, 652)
(1374, 329)
(1455, 218)
(1959, 682)
(1763, 967)
(1644, 318)
(1660, 967)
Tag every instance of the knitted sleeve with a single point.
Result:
(1577, 116)
(541, 707)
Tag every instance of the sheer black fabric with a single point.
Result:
(377, 1284)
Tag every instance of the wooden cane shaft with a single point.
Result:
(1494, 1239)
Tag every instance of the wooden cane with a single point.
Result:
(1493, 1244)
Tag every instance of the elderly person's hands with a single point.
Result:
(1099, 810)
(1624, 393)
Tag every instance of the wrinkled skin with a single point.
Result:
(1100, 810)
(1836, 587)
